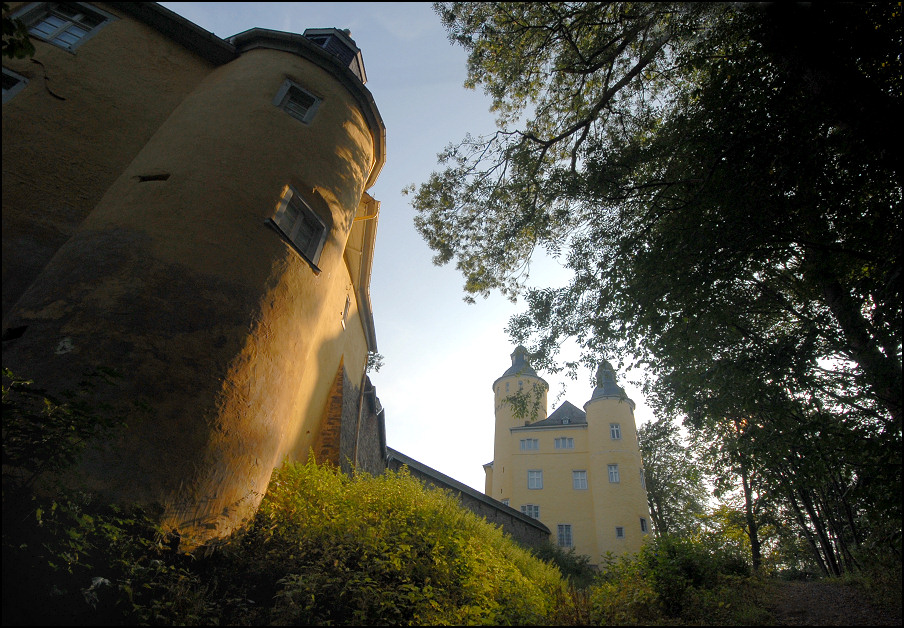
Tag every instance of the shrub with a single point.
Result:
(387, 550)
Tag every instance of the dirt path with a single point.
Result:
(825, 604)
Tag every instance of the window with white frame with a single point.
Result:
(643, 525)
(619, 532)
(643, 479)
(64, 24)
(301, 225)
(564, 443)
(564, 535)
(615, 431)
(579, 480)
(530, 444)
(297, 101)
(531, 510)
(613, 474)
(13, 83)
(505, 502)
(535, 479)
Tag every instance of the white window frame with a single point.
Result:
(530, 444)
(284, 97)
(564, 442)
(531, 510)
(619, 532)
(579, 480)
(39, 12)
(643, 479)
(348, 305)
(614, 477)
(564, 535)
(505, 502)
(534, 479)
(20, 84)
(615, 431)
(281, 219)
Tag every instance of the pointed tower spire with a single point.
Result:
(606, 386)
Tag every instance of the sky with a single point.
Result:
(440, 354)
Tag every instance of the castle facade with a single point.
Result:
(578, 471)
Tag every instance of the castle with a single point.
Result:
(579, 472)
(193, 212)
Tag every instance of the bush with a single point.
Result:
(387, 550)
(324, 548)
(676, 579)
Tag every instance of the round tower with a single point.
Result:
(213, 274)
(519, 399)
(620, 505)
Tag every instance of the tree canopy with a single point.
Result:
(724, 183)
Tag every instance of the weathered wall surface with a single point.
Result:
(82, 118)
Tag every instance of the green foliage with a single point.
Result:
(573, 566)
(324, 548)
(16, 43)
(384, 549)
(44, 434)
(674, 479)
(676, 580)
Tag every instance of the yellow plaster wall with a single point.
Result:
(226, 332)
(87, 114)
(624, 503)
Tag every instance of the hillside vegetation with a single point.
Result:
(325, 548)
(329, 549)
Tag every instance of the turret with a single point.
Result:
(519, 399)
(619, 496)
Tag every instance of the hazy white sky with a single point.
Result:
(441, 355)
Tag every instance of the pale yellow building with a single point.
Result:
(578, 471)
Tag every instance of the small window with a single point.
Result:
(530, 444)
(348, 304)
(643, 479)
(619, 532)
(564, 443)
(505, 502)
(579, 480)
(613, 474)
(531, 510)
(297, 101)
(643, 525)
(615, 431)
(535, 479)
(64, 24)
(564, 535)
(12, 84)
(301, 225)
(566, 421)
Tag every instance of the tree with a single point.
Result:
(724, 183)
(16, 43)
(676, 493)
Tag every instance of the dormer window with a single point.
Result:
(340, 44)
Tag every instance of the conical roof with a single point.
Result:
(520, 366)
(606, 387)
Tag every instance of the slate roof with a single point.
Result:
(565, 414)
